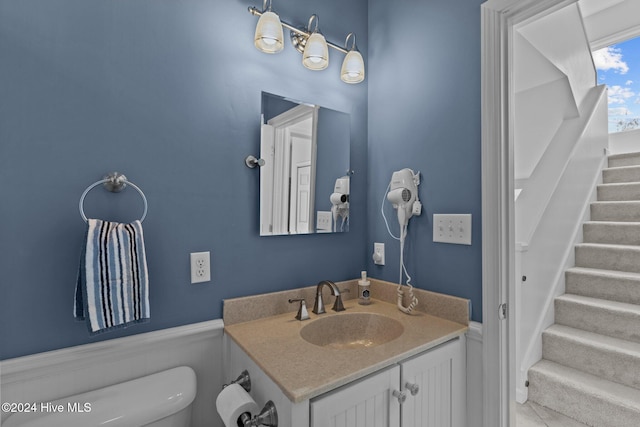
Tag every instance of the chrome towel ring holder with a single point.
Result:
(114, 182)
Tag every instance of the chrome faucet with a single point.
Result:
(318, 306)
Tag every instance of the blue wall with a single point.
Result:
(167, 92)
(424, 114)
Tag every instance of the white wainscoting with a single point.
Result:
(55, 374)
(474, 375)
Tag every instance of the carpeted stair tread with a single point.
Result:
(611, 285)
(587, 398)
(615, 319)
(609, 358)
(590, 367)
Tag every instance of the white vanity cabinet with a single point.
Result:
(427, 390)
(365, 403)
(440, 377)
(439, 400)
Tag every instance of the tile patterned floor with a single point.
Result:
(532, 415)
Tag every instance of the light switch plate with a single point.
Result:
(323, 221)
(452, 228)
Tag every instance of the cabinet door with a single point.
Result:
(439, 375)
(365, 403)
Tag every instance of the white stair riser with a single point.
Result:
(618, 324)
(605, 287)
(605, 362)
(578, 404)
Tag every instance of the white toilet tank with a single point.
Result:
(159, 400)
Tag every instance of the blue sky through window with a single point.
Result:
(618, 67)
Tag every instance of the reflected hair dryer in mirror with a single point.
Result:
(340, 202)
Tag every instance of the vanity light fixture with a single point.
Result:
(353, 65)
(310, 42)
(316, 52)
(269, 37)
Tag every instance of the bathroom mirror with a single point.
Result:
(304, 182)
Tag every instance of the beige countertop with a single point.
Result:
(304, 370)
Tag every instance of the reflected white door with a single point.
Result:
(292, 208)
(303, 197)
(300, 197)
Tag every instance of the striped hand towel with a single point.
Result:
(113, 287)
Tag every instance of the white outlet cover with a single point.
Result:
(378, 249)
(200, 267)
(452, 228)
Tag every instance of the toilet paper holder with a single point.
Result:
(268, 416)
(244, 380)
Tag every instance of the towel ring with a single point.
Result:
(114, 182)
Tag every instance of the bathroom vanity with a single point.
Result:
(424, 390)
(365, 366)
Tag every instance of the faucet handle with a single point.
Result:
(303, 314)
(337, 305)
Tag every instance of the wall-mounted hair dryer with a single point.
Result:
(340, 202)
(403, 194)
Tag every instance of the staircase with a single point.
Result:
(590, 367)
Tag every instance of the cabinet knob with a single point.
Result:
(413, 388)
(400, 395)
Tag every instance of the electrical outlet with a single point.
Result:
(378, 253)
(452, 228)
(200, 267)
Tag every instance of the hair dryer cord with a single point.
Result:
(400, 292)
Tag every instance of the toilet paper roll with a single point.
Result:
(234, 401)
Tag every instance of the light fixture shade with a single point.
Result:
(352, 70)
(269, 36)
(316, 52)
